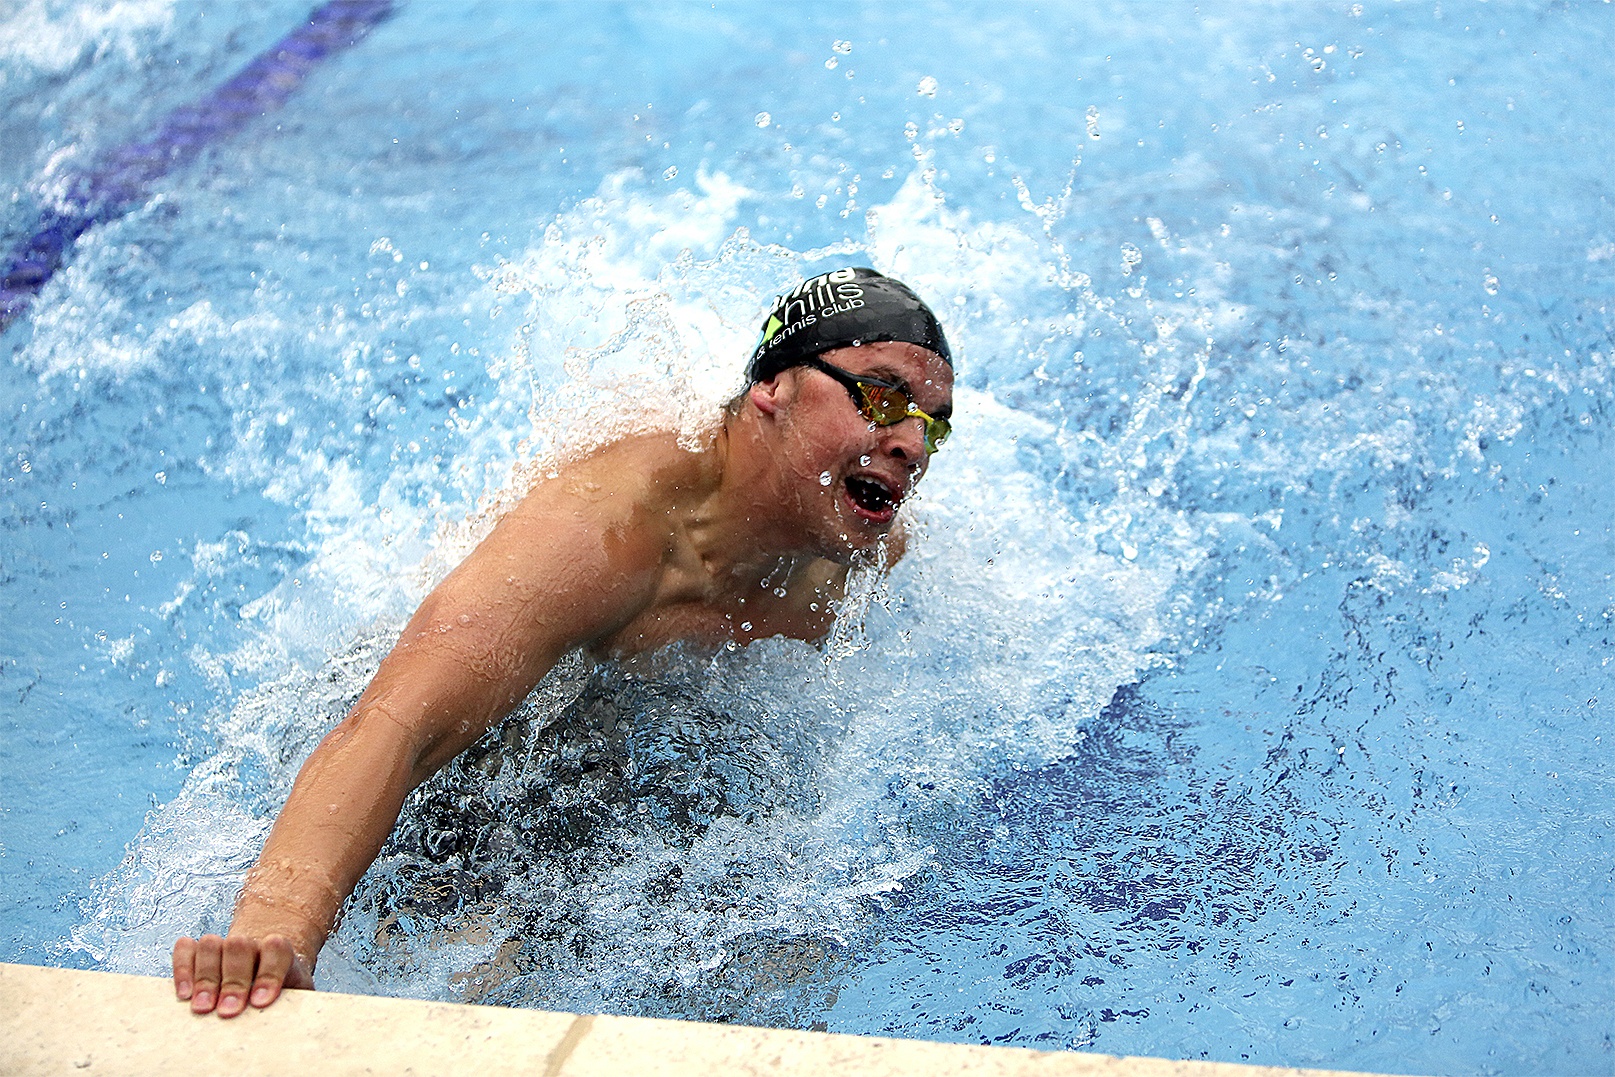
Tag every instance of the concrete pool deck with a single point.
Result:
(59, 1021)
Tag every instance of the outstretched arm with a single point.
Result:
(564, 568)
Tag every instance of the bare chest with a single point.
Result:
(710, 622)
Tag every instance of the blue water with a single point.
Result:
(1244, 695)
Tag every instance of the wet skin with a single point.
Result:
(637, 545)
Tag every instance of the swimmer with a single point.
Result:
(637, 545)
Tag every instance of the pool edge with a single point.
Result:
(62, 1021)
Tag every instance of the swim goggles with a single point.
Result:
(884, 403)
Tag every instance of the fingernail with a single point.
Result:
(203, 1002)
(183, 990)
(260, 997)
(230, 1005)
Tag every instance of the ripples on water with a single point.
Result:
(1253, 648)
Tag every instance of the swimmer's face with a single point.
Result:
(849, 474)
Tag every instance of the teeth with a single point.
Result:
(870, 495)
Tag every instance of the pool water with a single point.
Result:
(1243, 696)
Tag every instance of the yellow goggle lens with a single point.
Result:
(887, 407)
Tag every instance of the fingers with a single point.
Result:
(275, 962)
(239, 963)
(184, 968)
(226, 975)
(207, 969)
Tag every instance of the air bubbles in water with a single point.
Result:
(672, 170)
(927, 87)
(1490, 283)
(863, 461)
(1093, 122)
(763, 119)
(842, 47)
(824, 478)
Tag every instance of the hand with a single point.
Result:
(216, 974)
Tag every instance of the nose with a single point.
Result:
(905, 441)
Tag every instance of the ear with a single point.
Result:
(771, 395)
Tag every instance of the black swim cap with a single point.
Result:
(838, 310)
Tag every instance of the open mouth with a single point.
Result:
(872, 498)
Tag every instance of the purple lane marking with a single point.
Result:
(123, 177)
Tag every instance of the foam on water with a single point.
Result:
(50, 38)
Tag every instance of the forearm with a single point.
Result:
(343, 806)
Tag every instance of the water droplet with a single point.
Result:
(779, 592)
(745, 626)
(843, 47)
(927, 87)
(831, 63)
(863, 461)
(1093, 122)
(825, 479)
(763, 119)
(911, 130)
(672, 171)
(956, 125)
(1490, 283)
(156, 556)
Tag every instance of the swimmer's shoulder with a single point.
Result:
(652, 466)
